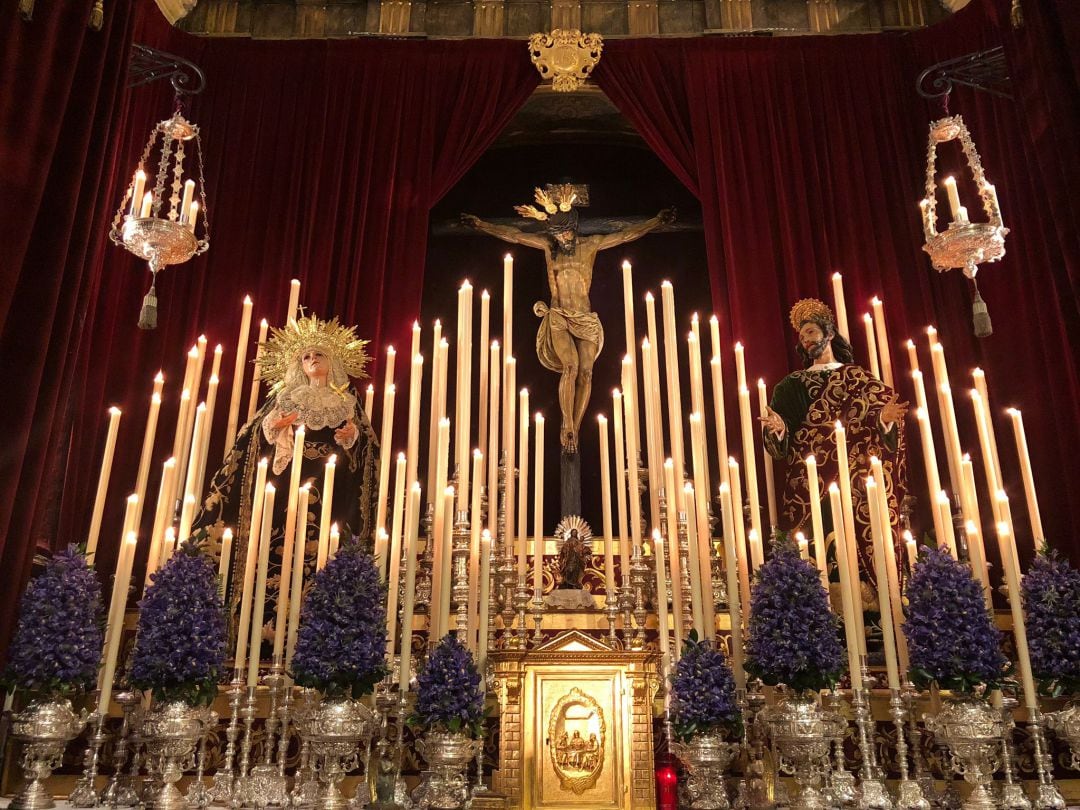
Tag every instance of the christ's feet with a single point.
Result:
(568, 439)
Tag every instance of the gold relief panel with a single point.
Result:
(575, 741)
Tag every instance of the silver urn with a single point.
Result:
(447, 755)
(706, 757)
(803, 732)
(333, 733)
(45, 728)
(170, 731)
(1066, 725)
(972, 730)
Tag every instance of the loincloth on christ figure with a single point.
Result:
(581, 325)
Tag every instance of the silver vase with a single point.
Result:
(333, 733)
(706, 757)
(447, 755)
(170, 731)
(972, 730)
(45, 728)
(803, 732)
(1066, 725)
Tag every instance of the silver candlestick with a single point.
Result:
(198, 794)
(264, 785)
(240, 792)
(84, 794)
(626, 602)
(1047, 796)
(639, 577)
(119, 793)
(221, 789)
(910, 795)
(1012, 792)
(873, 795)
(521, 604)
(841, 782)
(537, 609)
(459, 562)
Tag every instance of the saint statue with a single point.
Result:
(573, 558)
(801, 421)
(308, 366)
(570, 335)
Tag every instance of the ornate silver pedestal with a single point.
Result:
(334, 732)
(45, 728)
(802, 732)
(447, 755)
(972, 729)
(171, 731)
(706, 757)
(1066, 725)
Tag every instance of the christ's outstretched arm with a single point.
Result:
(636, 231)
(505, 232)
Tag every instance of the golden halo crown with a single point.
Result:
(810, 309)
(555, 198)
(286, 345)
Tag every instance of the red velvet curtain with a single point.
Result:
(808, 156)
(322, 159)
(61, 113)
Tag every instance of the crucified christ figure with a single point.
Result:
(570, 334)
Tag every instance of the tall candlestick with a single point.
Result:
(926, 437)
(447, 562)
(511, 455)
(412, 450)
(443, 518)
(162, 517)
(892, 569)
(693, 561)
(149, 433)
(224, 559)
(912, 550)
(412, 525)
(296, 587)
(1007, 549)
(260, 586)
(292, 505)
(187, 515)
(661, 600)
(137, 193)
(720, 419)
(605, 509)
(913, 355)
(620, 482)
(840, 305)
(816, 522)
(251, 558)
(414, 346)
(484, 353)
(523, 489)
(735, 595)
(538, 510)
(335, 539)
(944, 508)
(653, 431)
(384, 458)
(485, 601)
(770, 481)
(848, 513)
(473, 624)
(463, 410)
(238, 375)
(628, 306)
(397, 519)
(433, 422)
(948, 415)
(884, 350)
(327, 498)
(848, 591)
(492, 477)
(208, 427)
(1032, 500)
(674, 558)
(740, 366)
(391, 362)
(698, 514)
(888, 636)
(292, 313)
(508, 309)
(256, 374)
(969, 504)
(871, 345)
(804, 546)
(749, 446)
(115, 623)
(629, 409)
(697, 391)
(103, 483)
(739, 519)
(674, 393)
(993, 482)
(757, 553)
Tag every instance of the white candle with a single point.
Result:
(292, 313)
(739, 519)
(103, 483)
(327, 498)
(740, 366)
(816, 522)
(697, 391)
(510, 454)
(475, 521)
(149, 433)
(187, 515)
(485, 603)
(674, 393)
(391, 361)
(412, 524)
(620, 483)
(978, 376)
(238, 375)
(292, 505)
(415, 345)
(839, 305)
(442, 519)
(397, 519)
(848, 520)
(804, 546)
(204, 437)
(147, 204)
(1007, 549)
(168, 545)
(629, 405)
(848, 591)
(716, 367)
(538, 510)
(912, 550)
(523, 489)
(628, 306)
(446, 569)
(1038, 536)
(871, 345)
(369, 401)
(698, 514)
(224, 558)
(993, 483)
(661, 600)
(892, 569)
(185, 203)
(954, 198)
(250, 562)
(770, 481)
(435, 414)
(484, 355)
(115, 624)
(736, 597)
(757, 553)
(508, 308)
(335, 539)
(749, 446)
(944, 508)
(653, 431)
(137, 192)
(926, 437)
(463, 412)
(193, 216)
(884, 350)
(296, 588)
(412, 450)
(605, 503)
(162, 516)
(384, 458)
(260, 586)
(913, 355)
(948, 415)
(674, 559)
(256, 374)
(492, 477)
(884, 600)
(697, 593)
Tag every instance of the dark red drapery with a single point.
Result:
(808, 157)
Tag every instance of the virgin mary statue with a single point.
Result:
(308, 366)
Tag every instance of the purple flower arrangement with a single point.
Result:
(950, 634)
(57, 644)
(449, 696)
(1051, 590)
(702, 691)
(793, 636)
(180, 643)
(341, 643)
